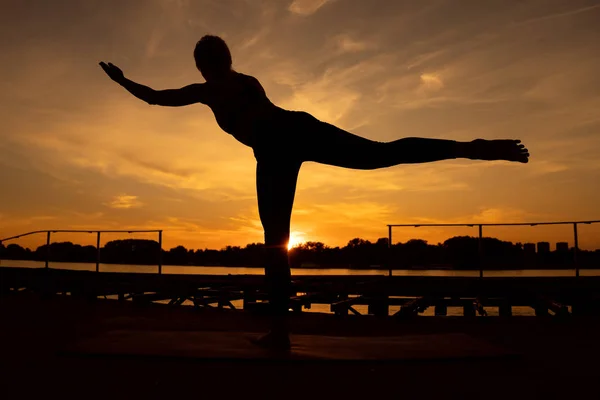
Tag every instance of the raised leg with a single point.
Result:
(327, 144)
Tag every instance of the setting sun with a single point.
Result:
(296, 238)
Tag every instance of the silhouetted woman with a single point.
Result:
(282, 140)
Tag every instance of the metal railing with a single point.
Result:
(97, 232)
(390, 226)
(480, 242)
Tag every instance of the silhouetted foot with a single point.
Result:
(509, 150)
(272, 341)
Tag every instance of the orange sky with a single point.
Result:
(78, 151)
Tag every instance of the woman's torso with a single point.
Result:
(241, 107)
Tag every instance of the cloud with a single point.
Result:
(306, 7)
(354, 211)
(431, 82)
(252, 40)
(87, 216)
(496, 215)
(176, 3)
(345, 43)
(154, 42)
(485, 215)
(543, 167)
(558, 15)
(171, 154)
(16, 225)
(125, 201)
(238, 230)
(398, 179)
(332, 95)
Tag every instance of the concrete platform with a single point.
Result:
(237, 346)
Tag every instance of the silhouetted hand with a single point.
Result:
(112, 71)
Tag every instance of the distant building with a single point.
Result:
(543, 247)
(562, 247)
(529, 248)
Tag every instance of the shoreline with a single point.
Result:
(316, 267)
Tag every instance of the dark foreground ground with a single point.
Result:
(551, 358)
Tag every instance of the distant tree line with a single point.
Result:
(460, 252)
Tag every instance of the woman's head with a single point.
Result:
(212, 56)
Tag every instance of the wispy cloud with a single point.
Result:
(154, 42)
(345, 43)
(500, 215)
(306, 7)
(125, 201)
(559, 14)
(334, 94)
(432, 82)
(16, 225)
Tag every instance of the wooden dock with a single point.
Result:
(558, 296)
(66, 346)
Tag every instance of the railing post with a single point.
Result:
(575, 249)
(47, 248)
(98, 252)
(390, 249)
(159, 252)
(480, 251)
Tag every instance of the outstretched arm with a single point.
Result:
(195, 93)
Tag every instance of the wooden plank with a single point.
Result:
(587, 304)
(350, 308)
(205, 301)
(544, 303)
(339, 306)
(413, 307)
(505, 309)
(342, 311)
(478, 305)
(151, 297)
(440, 309)
(378, 306)
(469, 310)
(307, 299)
(178, 301)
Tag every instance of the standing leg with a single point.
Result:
(276, 187)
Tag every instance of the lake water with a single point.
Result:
(181, 269)
(215, 270)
